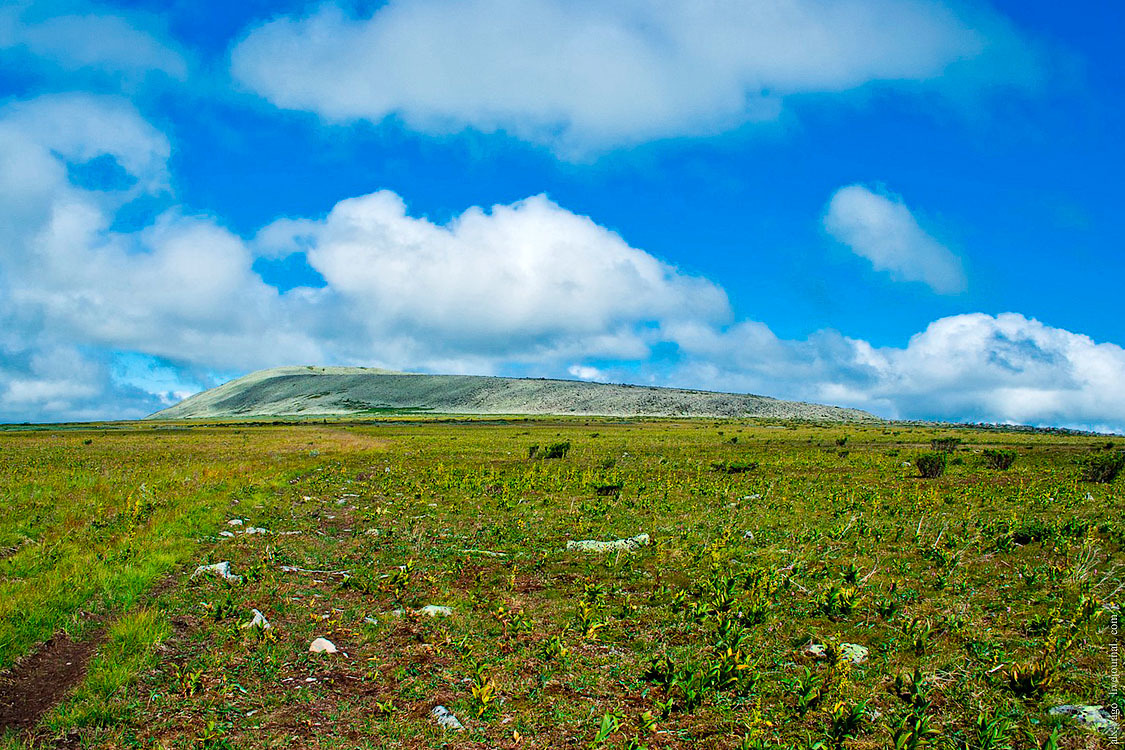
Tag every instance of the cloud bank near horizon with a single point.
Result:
(528, 285)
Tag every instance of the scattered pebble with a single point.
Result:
(446, 719)
(591, 545)
(228, 534)
(234, 522)
(322, 646)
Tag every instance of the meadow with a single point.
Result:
(803, 585)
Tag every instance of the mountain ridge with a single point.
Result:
(341, 391)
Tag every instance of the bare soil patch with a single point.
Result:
(39, 681)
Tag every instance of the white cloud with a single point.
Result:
(580, 74)
(585, 372)
(972, 367)
(527, 285)
(878, 226)
(525, 278)
(89, 41)
(529, 281)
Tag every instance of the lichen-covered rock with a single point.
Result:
(445, 719)
(1094, 717)
(617, 545)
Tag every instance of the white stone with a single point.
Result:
(618, 545)
(445, 719)
(255, 530)
(234, 522)
(227, 534)
(433, 610)
(322, 646)
(259, 621)
(221, 569)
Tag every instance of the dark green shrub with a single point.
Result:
(1001, 460)
(945, 444)
(554, 450)
(1103, 468)
(734, 467)
(931, 465)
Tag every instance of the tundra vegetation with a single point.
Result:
(802, 585)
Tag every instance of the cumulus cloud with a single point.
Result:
(878, 226)
(581, 74)
(528, 282)
(530, 277)
(974, 367)
(89, 40)
(527, 285)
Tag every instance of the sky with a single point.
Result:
(911, 207)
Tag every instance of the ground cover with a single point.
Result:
(800, 584)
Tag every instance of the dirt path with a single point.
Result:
(36, 683)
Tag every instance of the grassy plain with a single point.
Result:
(984, 596)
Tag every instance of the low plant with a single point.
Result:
(931, 465)
(1103, 468)
(998, 459)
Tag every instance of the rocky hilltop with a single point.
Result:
(309, 391)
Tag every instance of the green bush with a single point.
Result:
(931, 465)
(554, 450)
(734, 467)
(945, 444)
(1103, 468)
(1001, 460)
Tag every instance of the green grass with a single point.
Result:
(978, 593)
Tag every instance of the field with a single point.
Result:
(983, 596)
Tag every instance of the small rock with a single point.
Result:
(234, 522)
(430, 610)
(1094, 717)
(370, 621)
(625, 545)
(255, 530)
(445, 719)
(322, 646)
(259, 621)
(221, 569)
(748, 535)
(816, 651)
(227, 534)
(853, 653)
(434, 610)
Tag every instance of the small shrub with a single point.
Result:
(1001, 460)
(554, 450)
(734, 467)
(1103, 468)
(945, 444)
(930, 465)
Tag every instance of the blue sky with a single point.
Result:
(908, 206)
